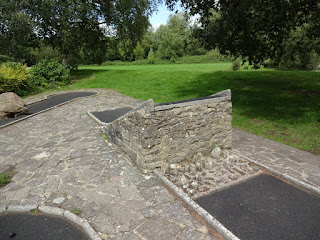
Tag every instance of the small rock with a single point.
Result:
(191, 192)
(215, 153)
(245, 168)
(185, 186)
(186, 168)
(41, 156)
(179, 184)
(193, 168)
(208, 165)
(58, 200)
(256, 168)
(197, 177)
(224, 154)
(173, 169)
(194, 185)
(198, 166)
(183, 179)
(198, 157)
(231, 159)
(172, 166)
(233, 177)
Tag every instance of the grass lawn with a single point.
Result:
(280, 105)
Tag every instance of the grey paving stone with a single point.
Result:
(89, 210)
(73, 203)
(190, 234)
(102, 223)
(121, 215)
(124, 236)
(130, 192)
(154, 210)
(176, 212)
(282, 158)
(158, 228)
(162, 196)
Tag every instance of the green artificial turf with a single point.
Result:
(280, 105)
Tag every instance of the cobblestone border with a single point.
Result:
(81, 222)
(207, 217)
(45, 98)
(284, 176)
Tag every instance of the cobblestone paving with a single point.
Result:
(211, 173)
(296, 163)
(61, 160)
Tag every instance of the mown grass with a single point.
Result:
(280, 105)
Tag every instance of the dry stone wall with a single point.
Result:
(158, 135)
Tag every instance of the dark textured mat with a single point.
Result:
(37, 227)
(48, 103)
(108, 116)
(266, 208)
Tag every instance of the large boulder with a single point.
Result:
(11, 105)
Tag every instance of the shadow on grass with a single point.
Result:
(80, 74)
(284, 95)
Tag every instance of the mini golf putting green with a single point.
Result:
(109, 116)
(265, 207)
(48, 103)
(26, 226)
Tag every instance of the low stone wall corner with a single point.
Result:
(155, 135)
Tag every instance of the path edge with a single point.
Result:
(293, 180)
(207, 217)
(45, 110)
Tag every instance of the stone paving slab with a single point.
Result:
(287, 160)
(60, 159)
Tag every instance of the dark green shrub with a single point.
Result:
(236, 65)
(5, 58)
(47, 53)
(14, 77)
(49, 73)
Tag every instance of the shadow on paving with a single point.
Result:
(48, 103)
(265, 207)
(25, 226)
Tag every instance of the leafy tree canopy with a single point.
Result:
(253, 28)
(72, 26)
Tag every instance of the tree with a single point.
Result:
(75, 26)
(16, 35)
(299, 50)
(171, 40)
(151, 57)
(254, 28)
(139, 52)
